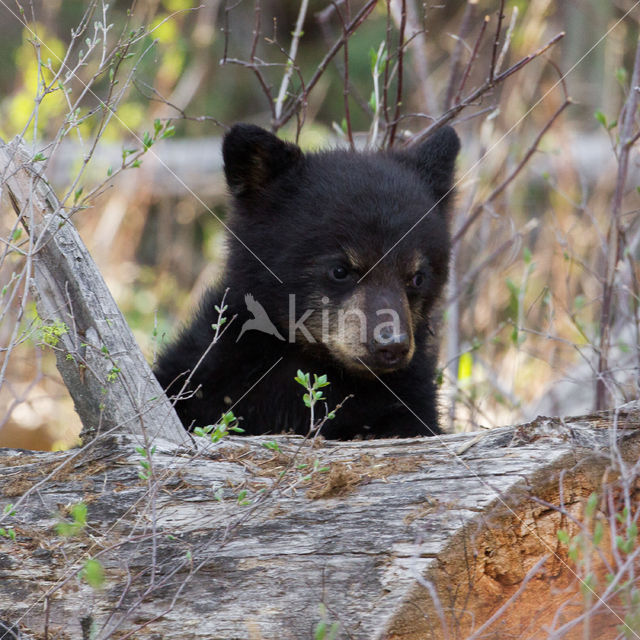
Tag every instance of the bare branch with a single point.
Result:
(293, 52)
(507, 181)
(616, 234)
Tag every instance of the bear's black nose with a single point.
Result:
(389, 349)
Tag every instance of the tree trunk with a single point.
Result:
(99, 360)
(268, 538)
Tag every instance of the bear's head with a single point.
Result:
(347, 252)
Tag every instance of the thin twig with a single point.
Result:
(472, 59)
(615, 236)
(478, 93)
(346, 89)
(507, 181)
(465, 29)
(293, 52)
(496, 616)
(303, 95)
(496, 42)
(401, 44)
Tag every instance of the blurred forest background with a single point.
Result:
(543, 299)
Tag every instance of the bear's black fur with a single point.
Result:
(346, 253)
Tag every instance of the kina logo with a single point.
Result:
(260, 320)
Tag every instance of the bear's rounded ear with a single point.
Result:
(435, 159)
(253, 158)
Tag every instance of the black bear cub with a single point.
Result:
(335, 261)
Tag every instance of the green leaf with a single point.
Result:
(169, 132)
(601, 118)
(320, 381)
(588, 584)
(93, 573)
(373, 57)
(623, 515)
(320, 631)
(79, 513)
(563, 536)
(598, 531)
(592, 504)
(514, 290)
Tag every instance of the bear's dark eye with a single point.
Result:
(417, 280)
(338, 273)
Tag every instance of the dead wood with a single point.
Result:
(247, 538)
(100, 362)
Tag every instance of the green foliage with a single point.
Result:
(50, 334)
(631, 627)
(93, 573)
(324, 629)
(8, 532)
(71, 528)
(313, 394)
(113, 374)
(228, 423)
(145, 462)
(242, 499)
(602, 119)
(221, 319)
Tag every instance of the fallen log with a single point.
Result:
(274, 537)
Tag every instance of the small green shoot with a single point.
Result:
(93, 573)
(227, 423)
(78, 513)
(145, 462)
(51, 333)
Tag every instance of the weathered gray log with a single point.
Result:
(398, 540)
(97, 355)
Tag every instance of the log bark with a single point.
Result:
(100, 362)
(266, 538)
